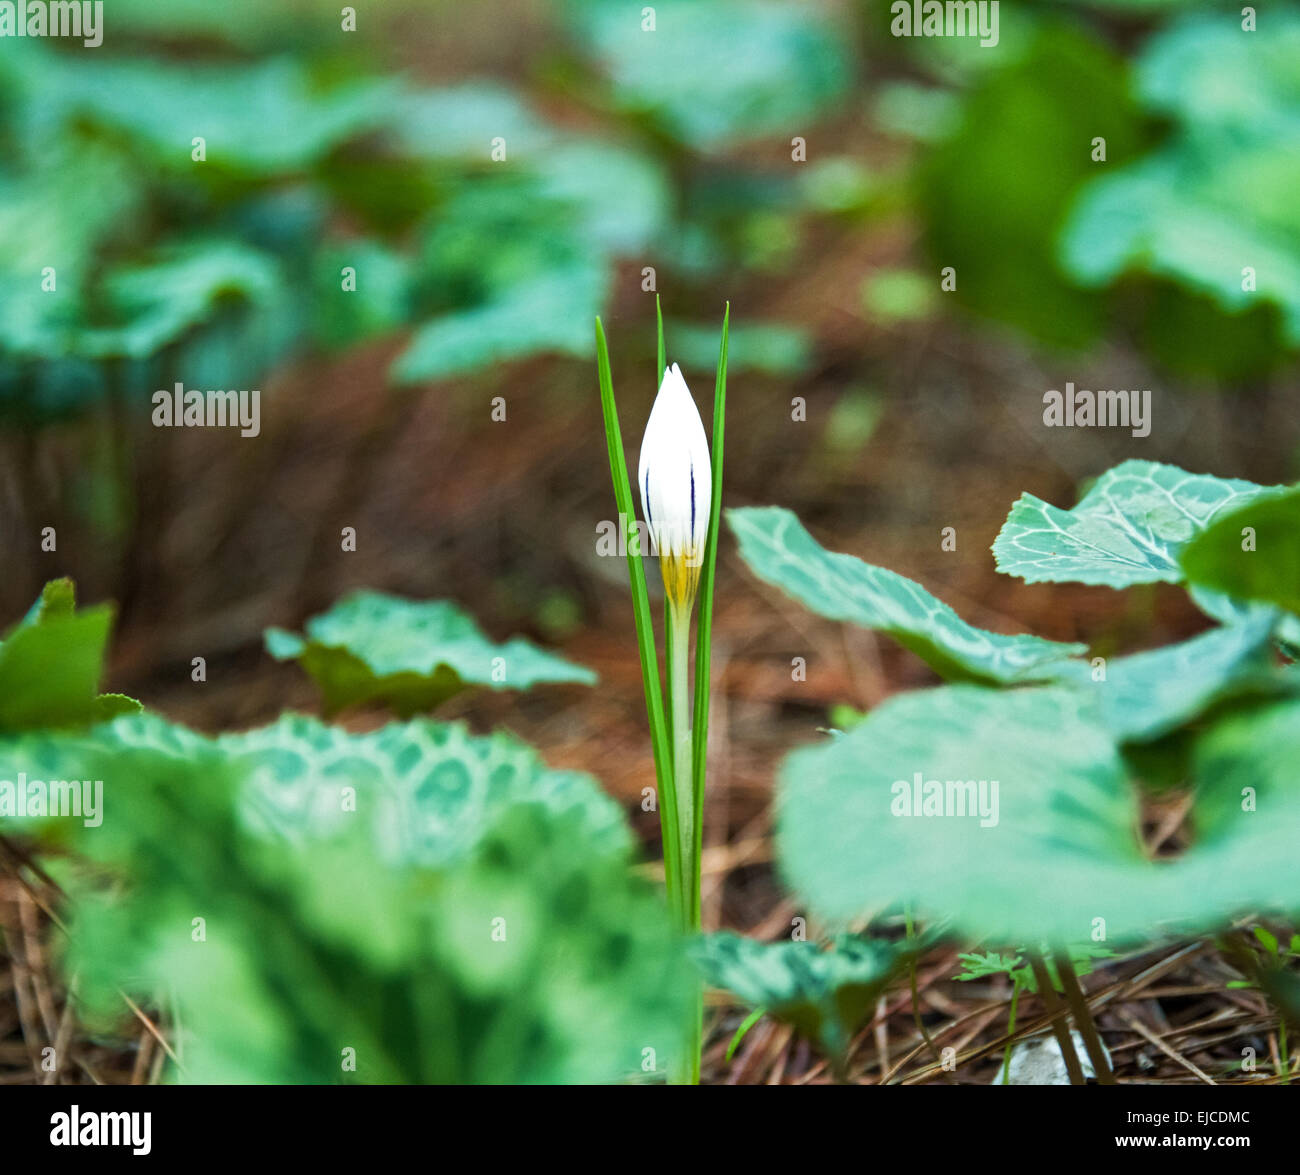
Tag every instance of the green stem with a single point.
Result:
(1011, 1031)
(679, 620)
(688, 854)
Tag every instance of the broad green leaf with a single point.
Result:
(1167, 217)
(426, 791)
(714, 74)
(825, 992)
(45, 221)
(1029, 831)
(460, 122)
(619, 198)
(410, 655)
(780, 551)
(438, 905)
(1130, 527)
(1013, 164)
(52, 661)
(1204, 71)
(180, 289)
(512, 274)
(1248, 808)
(270, 117)
(1055, 856)
(1147, 695)
(1216, 198)
(537, 317)
(1251, 553)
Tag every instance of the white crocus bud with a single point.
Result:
(676, 480)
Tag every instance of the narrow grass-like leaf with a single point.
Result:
(663, 351)
(654, 698)
(660, 367)
(704, 629)
(745, 1025)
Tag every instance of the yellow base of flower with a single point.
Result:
(681, 574)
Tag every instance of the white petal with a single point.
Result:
(674, 474)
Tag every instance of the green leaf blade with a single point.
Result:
(704, 627)
(780, 551)
(856, 833)
(1128, 529)
(1251, 553)
(654, 696)
(411, 655)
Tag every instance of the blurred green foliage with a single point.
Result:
(718, 73)
(995, 193)
(1011, 813)
(826, 992)
(308, 905)
(341, 200)
(1217, 198)
(51, 663)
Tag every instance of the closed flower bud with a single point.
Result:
(675, 479)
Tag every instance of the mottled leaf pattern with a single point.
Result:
(411, 655)
(426, 790)
(1129, 527)
(825, 992)
(780, 551)
(463, 916)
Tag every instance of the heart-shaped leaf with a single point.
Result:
(425, 790)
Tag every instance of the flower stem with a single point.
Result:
(688, 855)
(679, 618)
